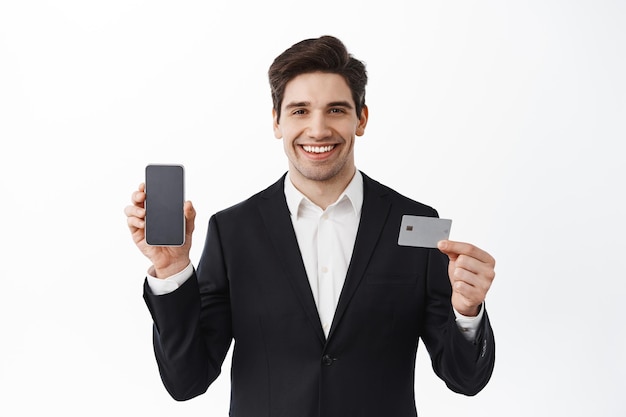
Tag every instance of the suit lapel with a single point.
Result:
(278, 223)
(373, 217)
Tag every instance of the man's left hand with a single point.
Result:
(471, 272)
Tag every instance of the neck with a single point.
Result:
(322, 193)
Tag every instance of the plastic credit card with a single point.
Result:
(423, 232)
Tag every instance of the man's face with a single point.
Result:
(318, 125)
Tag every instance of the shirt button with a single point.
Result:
(324, 269)
(325, 217)
(327, 360)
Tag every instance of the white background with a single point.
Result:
(508, 117)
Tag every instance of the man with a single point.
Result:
(324, 307)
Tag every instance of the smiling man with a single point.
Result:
(318, 124)
(307, 278)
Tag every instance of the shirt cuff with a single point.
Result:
(170, 284)
(469, 325)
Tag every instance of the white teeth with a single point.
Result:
(318, 149)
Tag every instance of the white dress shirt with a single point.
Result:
(326, 239)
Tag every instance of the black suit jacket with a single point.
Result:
(251, 287)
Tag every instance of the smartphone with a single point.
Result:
(165, 198)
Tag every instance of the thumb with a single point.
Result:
(190, 216)
(445, 247)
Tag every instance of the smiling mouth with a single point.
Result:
(318, 149)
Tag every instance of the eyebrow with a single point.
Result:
(345, 104)
(295, 104)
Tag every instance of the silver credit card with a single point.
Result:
(423, 232)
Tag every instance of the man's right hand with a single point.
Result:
(167, 260)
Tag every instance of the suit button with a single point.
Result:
(327, 360)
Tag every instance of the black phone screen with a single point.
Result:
(165, 219)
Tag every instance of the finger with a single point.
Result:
(135, 219)
(479, 281)
(135, 224)
(474, 265)
(466, 298)
(135, 211)
(453, 249)
(471, 285)
(190, 213)
(138, 198)
(139, 195)
(461, 274)
(464, 289)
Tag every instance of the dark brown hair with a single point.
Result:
(325, 54)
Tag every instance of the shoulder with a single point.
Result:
(400, 201)
(252, 203)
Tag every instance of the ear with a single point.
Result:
(360, 129)
(278, 134)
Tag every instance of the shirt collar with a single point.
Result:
(353, 193)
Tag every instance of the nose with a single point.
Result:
(318, 127)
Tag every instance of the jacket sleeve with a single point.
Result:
(192, 325)
(465, 366)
